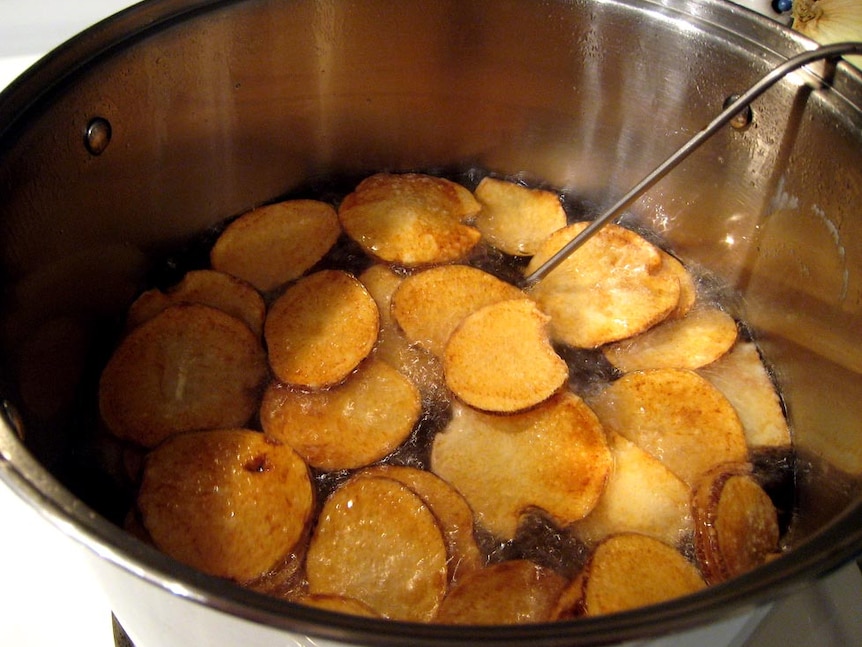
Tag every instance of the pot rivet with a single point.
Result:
(743, 118)
(97, 136)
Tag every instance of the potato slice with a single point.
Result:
(339, 604)
(453, 514)
(231, 503)
(413, 361)
(516, 219)
(189, 367)
(675, 415)
(277, 243)
(611, 288)
(429, 305)
(207, 287)
(500, 358)
(512, 592)
(687, 286)
(736, 523)
(410, 219)
(692, 341)
(628, 571)
(642, 496)
(742, 378)
(377, 541)
(347, 426)
(553, 457)
(320, 329)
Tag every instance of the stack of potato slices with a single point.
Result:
(383, 437)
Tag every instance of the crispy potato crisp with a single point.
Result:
(232, 503)
(411, 219)
(320, 329)
(189, 367)
(272, 245)
(611, 288)
(556, 454)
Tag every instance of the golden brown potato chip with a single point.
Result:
(377, 541)
(612, 287)
(189, 367)
(736, 523)
(500, 358)
(347, 426)
(687, 286)
(320, 329)
(410, 219)
(277, 243)
(628, 571)
(641, 496)
(453, 514)
(506, 593)
(209, 288)
(553, 457)
(516, 219)
(742, 378)
(339, 604)
(231, 503)
(675, 415)
(692, 341)
(429, 305)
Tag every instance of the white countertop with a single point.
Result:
(47, 595)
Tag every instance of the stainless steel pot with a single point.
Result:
(124, 144)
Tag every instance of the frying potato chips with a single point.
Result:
(277, 243)
(694, 340)
(320, 329)
(615, 286)
(411, 219)
(189, 367)
(506, 593)
(429, 305)
(675, 415)
(553, 457)
(402, 577)
(232, 503)
(516, 219)
(209, 288)
(347, 426)
(500, 358)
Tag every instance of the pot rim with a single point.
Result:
(817, 556)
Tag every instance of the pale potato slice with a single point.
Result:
(553, 457)
(628, 571)
(506, 593)
(642, 496)
(500, 358)
(611, 288)
(429, 305)
(231, 503)
(412, 360)
(207, 287)
(377, 542)
(189, 367)
(697, 339)
(736, 523)
(742, 378)
(277, 243)
(410, 219)
(347, 426)
(687, 286)
(320, 329)
(453, 514)
(675, 415)
(339, 604)
(516, 219)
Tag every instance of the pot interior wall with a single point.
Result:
(248, 101)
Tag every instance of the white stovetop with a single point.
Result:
(48, 597)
